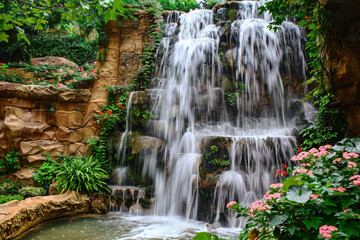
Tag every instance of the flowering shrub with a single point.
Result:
(10, 186)
(58, 75)
(320, 200)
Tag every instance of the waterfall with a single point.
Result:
(233, 87)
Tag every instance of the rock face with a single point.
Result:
(17, 217)
(37, 120)
(344, 58)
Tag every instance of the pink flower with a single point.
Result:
(355, 177)
(230, 204)
(268, 196)
(340, 189)
(347, 155)
(305, 164)
(277, 185)
(352, 164)
(356, 182)
(301, 170)
(315, 196)
(336, 161)
(346, 210)
(259, 206)
(326, 230)
(313, 151)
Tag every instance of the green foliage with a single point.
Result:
(32, 192)
(231, 97)
(145, 203)
(348, 145)
(46, 174)
(82, 174)
(207, 236)
(11, 162)
(58, 43)
(331, 123)
(9, 198)
(216, 162)
(20, 16)
(209, 4)
(58, 75)
(324, 190)
(179, 5)
(10, 186)
(233, 15)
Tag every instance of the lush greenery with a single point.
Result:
(331, 122)
(215, 161)
(32, 191)
(10, 186)
(114, 112)
(61, 43)
(11, 163)
(8, 198)
(46, 174)
(57, 74)
(322, 192)
(82, 174)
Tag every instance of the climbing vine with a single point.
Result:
(331, 124)
(113, 114)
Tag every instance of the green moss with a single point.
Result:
(32, 191)
(232, 15)
(145, 203)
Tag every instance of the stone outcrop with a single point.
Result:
(343, 58)
(38, 120)
(52, 60)
(17, 217)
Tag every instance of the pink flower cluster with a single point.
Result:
(230, 204)
(305, 164)
(326, 230)
(340, 189)
(351, 165)
(323, 150)
(347, 155)
(356, 180)
(269, 196)
(277, 185)
(259, 206)
(303, 170)
(336, 161)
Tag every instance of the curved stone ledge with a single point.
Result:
(17, 217)
(48, 92)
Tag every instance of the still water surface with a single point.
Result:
(120, 226)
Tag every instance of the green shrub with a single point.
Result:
(74, 47)
(46, 174)
(32, 192)
(82, 174)
(10, 186)
(8, 198)
(11, 163)
(145, 203)
(320, 200)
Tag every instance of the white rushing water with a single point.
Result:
(189, 105)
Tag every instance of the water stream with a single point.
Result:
(234, 85)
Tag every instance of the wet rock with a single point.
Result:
(16, 217)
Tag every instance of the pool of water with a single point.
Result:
(121, 226)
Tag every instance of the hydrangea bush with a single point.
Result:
(320, 199)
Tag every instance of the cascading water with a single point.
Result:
(227, 84)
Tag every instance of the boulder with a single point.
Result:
(25, 175)
(55, 60)
(17, 217)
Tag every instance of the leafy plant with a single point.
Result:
(319, 201)
(8, 198)
(11, 162)
(32, 192)
(10, 186)
(46, 174)
(82, 174)
(58, 75)
(215, 161)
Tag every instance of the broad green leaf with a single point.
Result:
(299, 194)
(278, 219)
(292, 181)
(4, 37)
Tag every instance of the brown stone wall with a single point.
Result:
(343, 62)
(126, 44)
(36, 120)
